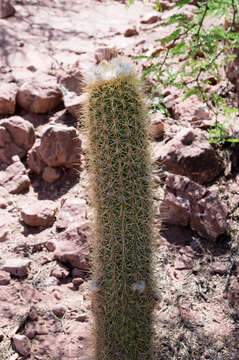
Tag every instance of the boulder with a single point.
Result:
(6, 9)
(21, 131)
(39, 213)
(7, 148)
(39, 95)
(17, 136)
(60, 146)
(187, 203)
(8, 93)
(190, 154)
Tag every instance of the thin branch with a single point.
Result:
(201, 22)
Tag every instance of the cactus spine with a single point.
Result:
(117, 130)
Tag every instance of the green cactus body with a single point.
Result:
(117, 130)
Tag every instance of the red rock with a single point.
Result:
(4, 233)
(4, 136)
(8, 93)
(6, 223)
(191, 109)
(175, 209)
(6, 9)
(33, 315)
(150, 19)
(30, 330)
(72, 246)
(78, 273)
(22, 344)
(188, 203)
(60, 272)
(218, 268)
(16, 138)
(34, 161)
(50, 245)
(232, 67)
(39, 95)
(5, 199)
(7, 148)
(59, 310)
(60, 146)
(73, 209)
(189, 154)
(82, 318)
(157, 130)
(39, 213)
(17, 267)
(77, 281)
(184, 263)
(71, 86)
(51, 174)
(76, 256)
(5, 278)
(21, 132)
(131, 32)
(14, 178)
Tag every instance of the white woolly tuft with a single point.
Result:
(109, 70)
(139, 286)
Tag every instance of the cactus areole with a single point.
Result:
(117, 131)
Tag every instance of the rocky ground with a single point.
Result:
(45, 210)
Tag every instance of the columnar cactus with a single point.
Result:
(117, 130)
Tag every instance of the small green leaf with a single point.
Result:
(232, 140)
(142, 57)
(190, 92)
(181, 3)
(177, 18)
(175, 34)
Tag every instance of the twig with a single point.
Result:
(203, 17)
